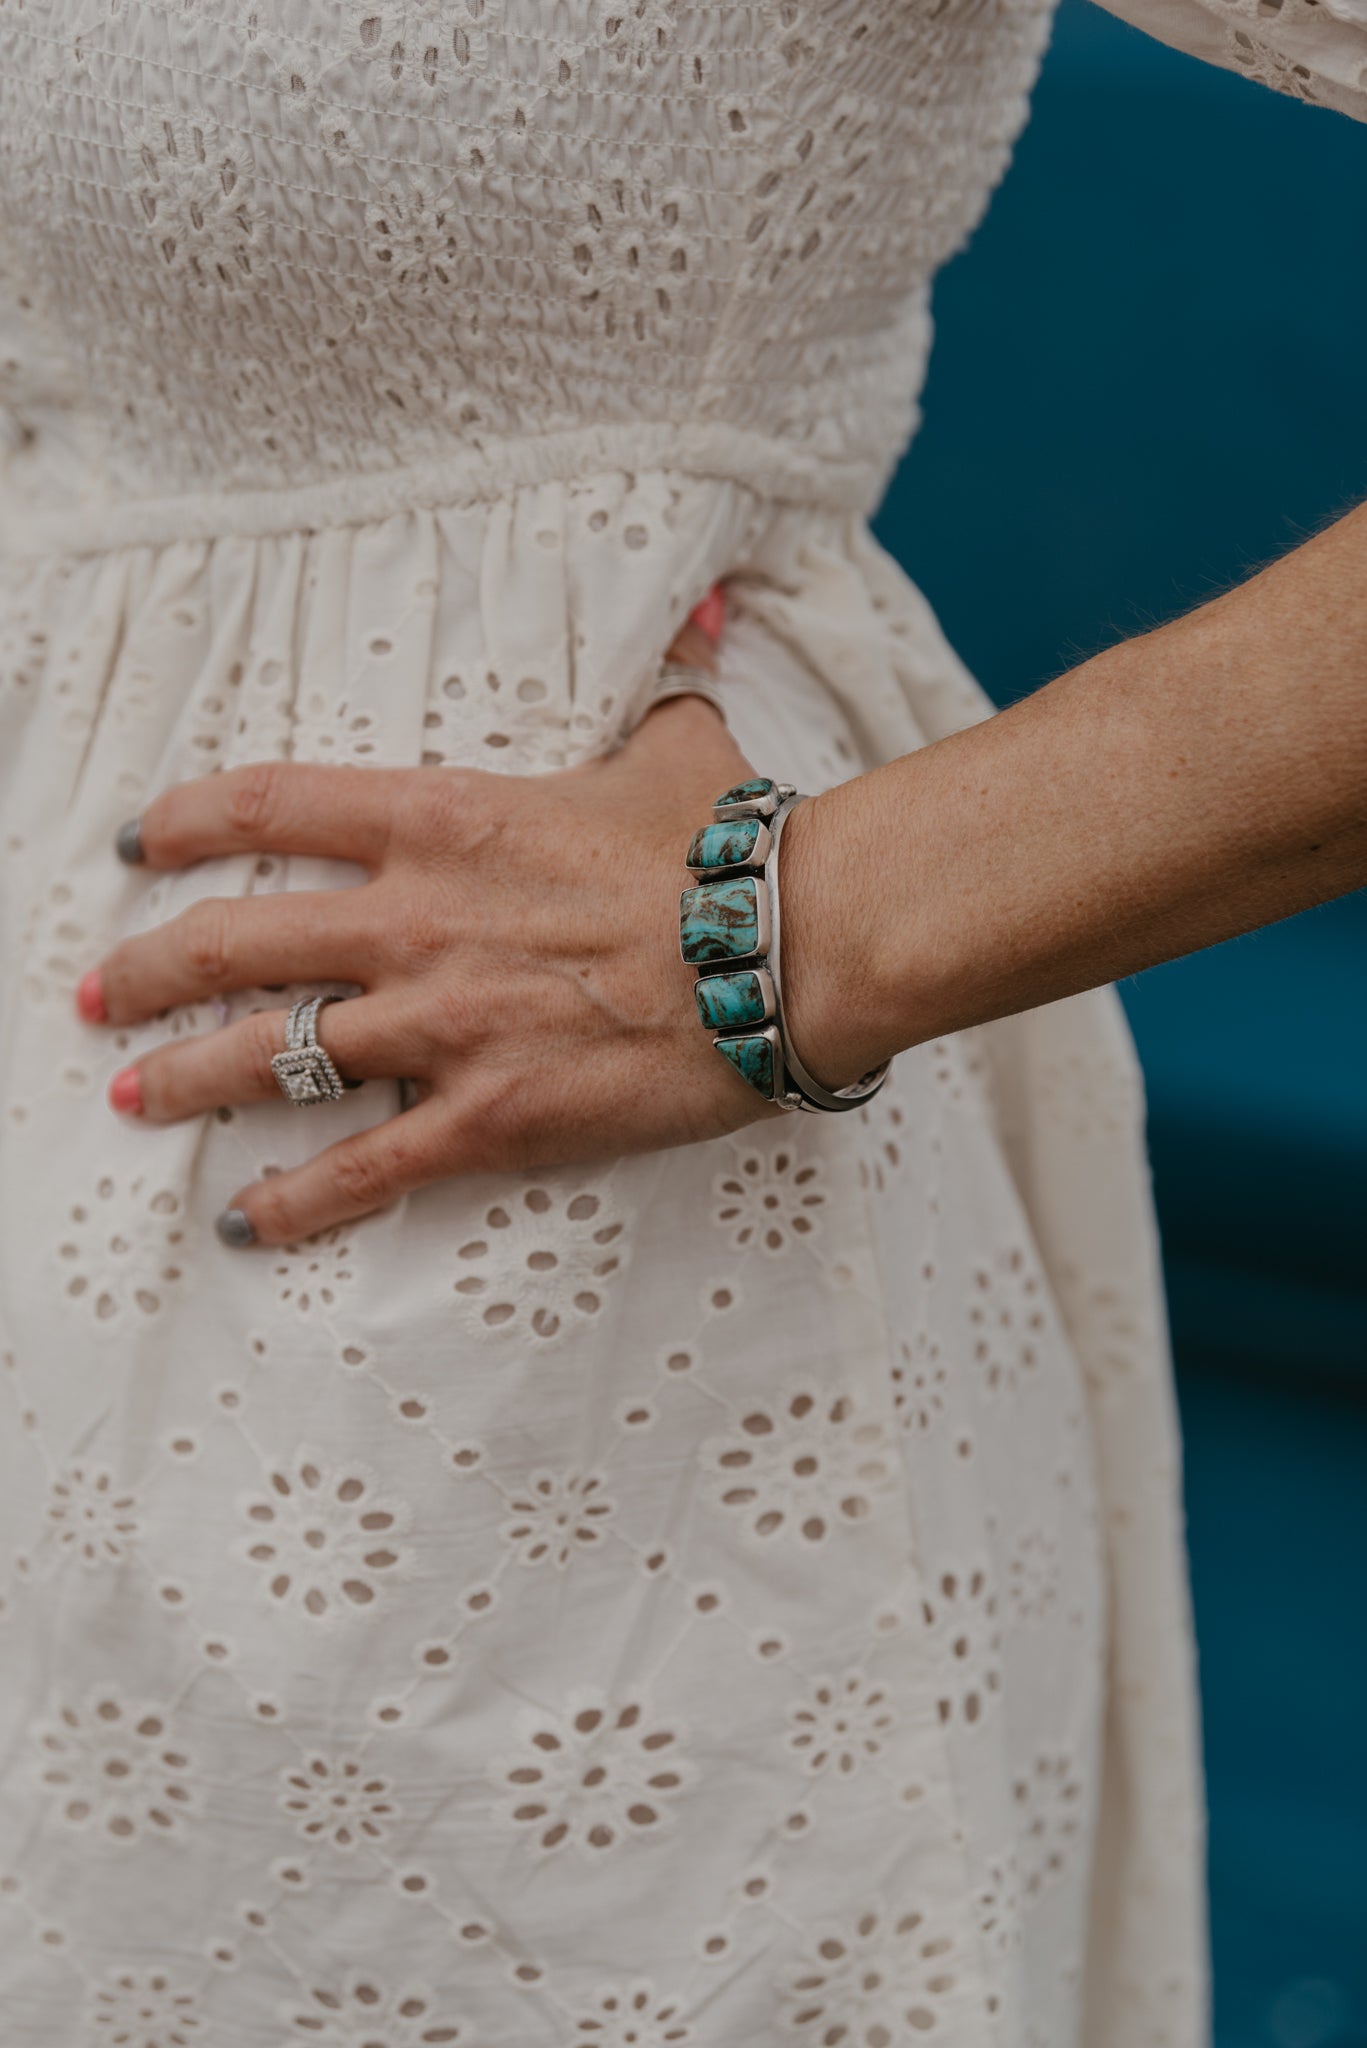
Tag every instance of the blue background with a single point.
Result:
(1148, 379)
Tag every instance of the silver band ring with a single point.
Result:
(677, 680)
(304, 1071)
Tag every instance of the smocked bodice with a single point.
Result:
(253, 247)
(267, 263)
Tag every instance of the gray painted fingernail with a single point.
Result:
(128, 843)
(234, 1228)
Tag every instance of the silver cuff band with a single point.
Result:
(804, 1091)
(730, 930)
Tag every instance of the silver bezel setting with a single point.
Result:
(775, 1038)
(763, 921)
(765, 806)
(307, 1076)
(753, 864)
(730, 960)
(766, 989)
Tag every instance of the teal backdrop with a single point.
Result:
(1150, 376)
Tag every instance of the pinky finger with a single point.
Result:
(351, 1179)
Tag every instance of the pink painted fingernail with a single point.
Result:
(711, 613)
(90, 998)
(125, 1091)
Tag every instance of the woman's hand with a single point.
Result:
(516, 945)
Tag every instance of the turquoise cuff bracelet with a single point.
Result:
(729, 930)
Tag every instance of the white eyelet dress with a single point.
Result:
(730, 1599)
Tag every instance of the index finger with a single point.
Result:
(341, 813)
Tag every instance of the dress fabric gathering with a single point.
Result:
(729, 1597)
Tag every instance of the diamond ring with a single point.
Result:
(303, 1069)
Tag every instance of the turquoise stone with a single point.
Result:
(753, 1060)
(719, 920)
(724, 846)
(745, 792)
(726, 1001)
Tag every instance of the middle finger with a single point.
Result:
(225, 943)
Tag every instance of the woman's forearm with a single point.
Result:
(1184, 786)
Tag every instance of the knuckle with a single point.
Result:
(422, 936)
(253, 795)
(366, 925)
(443, 793)
(363, 1178)
(205, 940)
(494, 1123)
(454, 810)
(458, 1014)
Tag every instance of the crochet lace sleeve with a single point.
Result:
(1315, 50)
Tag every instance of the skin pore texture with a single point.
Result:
(516, 939)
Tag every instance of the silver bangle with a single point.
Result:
(730, 928)
(806, 1091)
(677, 680)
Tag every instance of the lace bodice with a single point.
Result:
(323, 245)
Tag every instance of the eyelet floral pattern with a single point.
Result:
(537, 1267)
(803, 1468)
(999, 1906)
(339, 1802)
(92, 1518)
(54, 945)
(555, 1515)
(121, 1250)
(596, 1778)
(322, 1539)
(327, 731)
(840, 1724)
(920, 1382)
(960, 1610)
(143, 2009)
(368, 2013)
(638, 2018)
(1049, 1804)
(116, 1769)
(193, 191)
(771, 1201)
(1007, 1320)
(312, 1279)
(882, 1978)
(1033, 1575)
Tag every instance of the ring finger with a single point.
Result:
(364, 1037)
